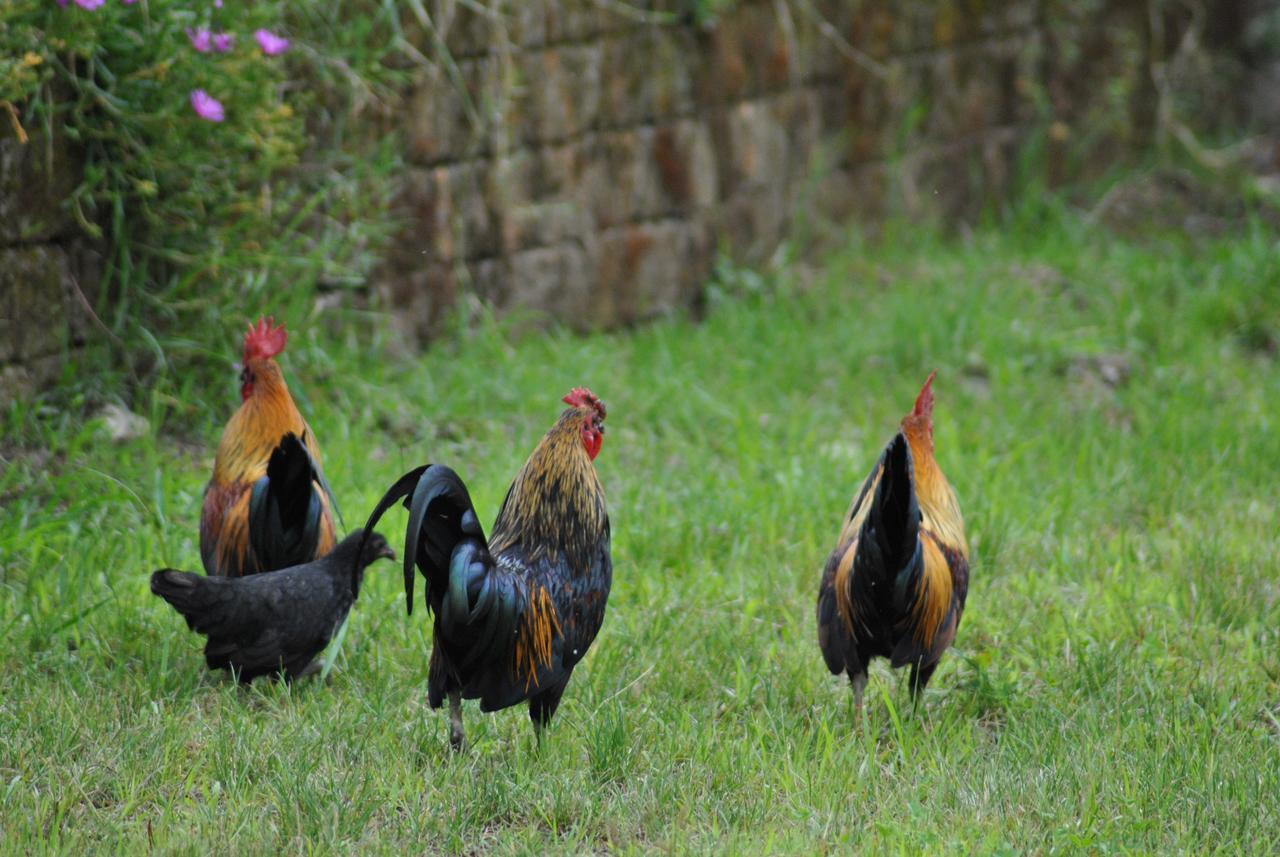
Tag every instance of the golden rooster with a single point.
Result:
(514, 614)
(267, 506)
(895, 585)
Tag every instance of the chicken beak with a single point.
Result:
(385, 552)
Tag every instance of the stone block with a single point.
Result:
(491, 280)
(538, 224)
(646, 74)
(553, 280)
(448, 119)
(685, 165)
(758, 145)
(37, 315)
(650, 268)
(740, 54)
(36, 180)
(797, 113)
(448, 212)
(619, 180)
(560, 92)
(421, 293)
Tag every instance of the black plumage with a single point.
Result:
(514, 613)
(285, 506)
(896, 583)
(277, 621)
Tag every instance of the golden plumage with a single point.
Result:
(539, 626)
(555, 505)
(903, 599)
(263, 419)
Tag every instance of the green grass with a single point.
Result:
(1106, 411)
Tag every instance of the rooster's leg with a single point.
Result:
(859, 683)
(457, 738)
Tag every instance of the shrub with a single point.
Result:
(211, 190)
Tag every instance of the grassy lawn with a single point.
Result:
(1106, 410)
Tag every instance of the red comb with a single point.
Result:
(263, 340)
(581, 397)
(924, 401)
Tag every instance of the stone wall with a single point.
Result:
(577, 158)
(586, 160)
(44, 259)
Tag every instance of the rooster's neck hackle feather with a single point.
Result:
(939, 507)
(257, 426)
(938, 504)
(539, 626)
(555, 505)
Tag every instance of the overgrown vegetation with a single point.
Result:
(201, 221)
(1105, 411)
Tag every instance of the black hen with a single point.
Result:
(276, 621)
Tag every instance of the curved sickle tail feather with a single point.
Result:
(402, 488)
(479, 603)
(440, 517)
(441, 494)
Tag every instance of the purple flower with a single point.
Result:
(63, 2)
(222, 42)
(217, 4)
(270, 43)
(206, 106)
(89, 4)
(199, 38)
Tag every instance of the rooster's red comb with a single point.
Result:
(263, 340)
(581, 397)
(924, 401)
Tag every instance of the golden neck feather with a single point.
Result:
(555, 505)
(257, 426)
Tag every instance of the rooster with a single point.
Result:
(268, 505)
(514, 613)
(896, 583)
(278, 621)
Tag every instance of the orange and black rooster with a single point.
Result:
(895, 584)
(267, 506)
(515, 613)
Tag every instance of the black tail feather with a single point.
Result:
(179, 588)
(285, 511)
(889, 543)
(440, 515)
(207, 603)
(895, 512)
(403, 487)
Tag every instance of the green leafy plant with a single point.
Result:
(205, 180)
